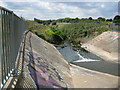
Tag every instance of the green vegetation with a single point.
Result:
(67, 20)
(49, 34)
(61, 20)
(71, 30)
(116, 19)
(85, 28)
(102, 19)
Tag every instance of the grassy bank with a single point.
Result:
(76, 32)
(47, 33)
(72, 33)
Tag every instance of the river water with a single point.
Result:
(88, 60)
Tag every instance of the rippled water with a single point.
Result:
(88, 60)
(77, 56)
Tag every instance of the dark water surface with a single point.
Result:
(88, 60)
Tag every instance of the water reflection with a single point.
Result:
(88, 60)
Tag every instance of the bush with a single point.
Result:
(85, 28)
(40, 35)
(116, 19)
(57, 39)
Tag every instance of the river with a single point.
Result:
(88, 60)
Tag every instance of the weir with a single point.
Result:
(27, 61)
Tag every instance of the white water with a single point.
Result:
(77, 56)
(88, 60)
(82, 59)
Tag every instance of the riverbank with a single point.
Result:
(47, 68)
(88, 60)
(85, 78)
(101, 53)
(104, 46)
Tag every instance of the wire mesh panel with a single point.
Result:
(12, 29)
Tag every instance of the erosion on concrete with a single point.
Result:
(45, 67)
(105, 46)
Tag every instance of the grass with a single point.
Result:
(84, 29)
(47, 33)
(74, 33)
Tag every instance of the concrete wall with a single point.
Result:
(105, 45)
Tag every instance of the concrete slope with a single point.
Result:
(104, 46)
(47, 66)
(85, 78)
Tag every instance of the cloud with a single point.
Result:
(102, 5)
(3, 4)
(47, 10)
(62, 0)
(54, 10)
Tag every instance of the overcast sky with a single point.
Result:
(53, 10)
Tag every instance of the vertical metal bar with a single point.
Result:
(6, 45)
(2, 62)
(5, 40)
(9, 42)
(1, 51)
(7, 28)
(13, 40)
(3, 44)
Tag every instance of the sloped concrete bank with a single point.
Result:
(45, 64)
(86, 78)
(105, 46)
(45, 67)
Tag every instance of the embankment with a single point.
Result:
(105, 46)
(45, 67)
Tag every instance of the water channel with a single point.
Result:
(88, 60)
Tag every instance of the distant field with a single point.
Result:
(61, 24)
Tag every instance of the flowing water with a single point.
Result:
(88, 60)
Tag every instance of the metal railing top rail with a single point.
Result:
(6, 9)
(2, 8)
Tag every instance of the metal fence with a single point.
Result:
(12, 29)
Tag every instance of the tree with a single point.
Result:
(109, 20)
(100, 18)
(90, 18)
(116, 19)
(54, 23)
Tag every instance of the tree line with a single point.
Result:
(116, 19)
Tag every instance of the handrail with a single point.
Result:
(12, 29)
(5, 9)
